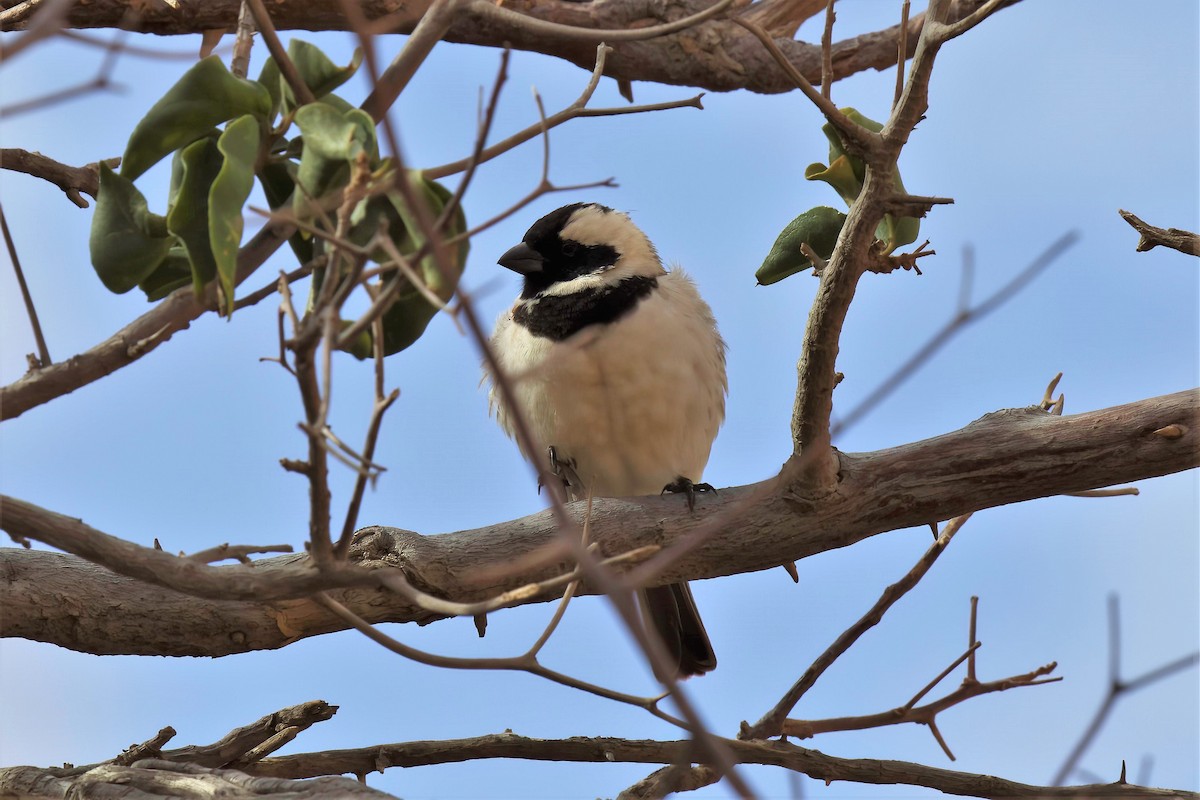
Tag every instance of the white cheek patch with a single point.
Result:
(593, 280)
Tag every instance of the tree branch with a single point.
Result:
(198, 768)
(1184, 241)
(71, 180)
(173, 314)
(716, 55)
(1005, 457)
(583, 749)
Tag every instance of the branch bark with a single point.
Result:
(813, 763)
(303, 774)
(1185, 242)
(1004, 457)
(717, 55)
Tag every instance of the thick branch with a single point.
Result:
(153, 779)
(813, 763)
(282, 774)
(1004, 457)
(717, 55)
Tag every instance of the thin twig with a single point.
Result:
(574, 110)
(1184, 241)
(237, 552)
(854, 136)
(127, 49)
(771, 723)
(1124, 491)
(429, 31)
(44, 359)
(282, 60)
(48, 19)
(963, 317)
(102, 80)
(1117, 688)
(483, 130)
(827, 53)
(174, 313)
(396, 582)
(521, 663)
(901, 52)
(922, 715)
(240, 62)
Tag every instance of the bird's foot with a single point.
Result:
(561, 468)
(684, 485)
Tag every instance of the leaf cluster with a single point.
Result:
(819, 227)
(223, 133)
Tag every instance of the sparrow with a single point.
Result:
(619, 369)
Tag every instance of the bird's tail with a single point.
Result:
(671, 612)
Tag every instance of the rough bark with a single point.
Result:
(1004, 457)
(718, 55)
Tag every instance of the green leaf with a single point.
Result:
(840, 175)
(316, 70)
(320, 74)
(239, 145)
(408, 318)
(332, 140)
(173, 273)
(272, 80)
(278, 185)
(188, 218)
(818, 228)
(202, 99)
(127, 242)
(846, 174)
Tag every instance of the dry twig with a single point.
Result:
(1184, 241)
(1118, 687)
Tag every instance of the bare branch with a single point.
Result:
(43, 358)
(262, 20)
(1184, 241)
(1117, 688)
(964, 316)
(586, 749)
(773, 722)
(717, 55)
(1003, 458)
(171, 315)
(434, 24)
(71, 180)
(239, 62)
(924, 715)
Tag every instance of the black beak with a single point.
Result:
(522, 259)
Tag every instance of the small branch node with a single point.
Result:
(1174, 431)
(300, 467)
(1047, 397)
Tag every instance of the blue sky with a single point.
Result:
(1047, 118)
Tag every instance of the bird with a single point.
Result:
(619, 369)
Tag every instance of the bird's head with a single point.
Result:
(579, 246)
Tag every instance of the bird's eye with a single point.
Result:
(569, 248)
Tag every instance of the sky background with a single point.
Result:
(1047, 118)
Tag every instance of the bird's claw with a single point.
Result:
(560, 468)
(684, 485)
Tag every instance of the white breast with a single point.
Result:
(635, 403)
